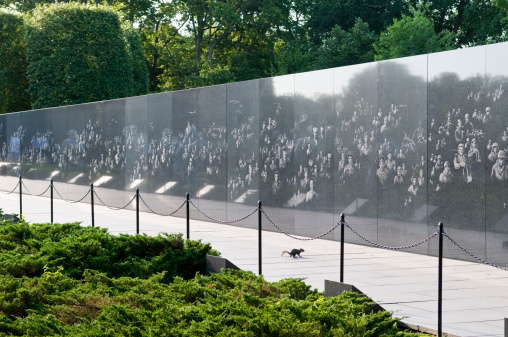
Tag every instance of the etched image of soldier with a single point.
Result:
(277, 183)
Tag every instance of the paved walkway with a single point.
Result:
(475, 296)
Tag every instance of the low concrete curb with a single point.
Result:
(333, 288)
(12, 217)
(215, 265)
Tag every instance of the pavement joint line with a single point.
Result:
(405, 302)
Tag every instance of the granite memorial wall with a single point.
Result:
(397, 145)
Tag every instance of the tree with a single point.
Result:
(79, 53)
(343, 48)
(412, 35)
(502, 6)
(475, 22)
(323, 16)
(294, 50)
(137, 61)
(482, 24)
(192, 43)
(13, 81)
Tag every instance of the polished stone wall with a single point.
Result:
(397, 145)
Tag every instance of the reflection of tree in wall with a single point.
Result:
(467, 151)
(380, 141)
(313, 152)
(276, 146)
(381, 114)
(496, 193)
(242, 154)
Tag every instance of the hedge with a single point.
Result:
(13, 65)
(79, 53)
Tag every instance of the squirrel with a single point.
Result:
(293, 252)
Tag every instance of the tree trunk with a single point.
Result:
(460, 15)
(152, 71)
(198, 38)
(216, 41)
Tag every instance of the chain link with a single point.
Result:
(472, 255)
(222, 221)
(297, 238)
(12, 189)
(70, 201)
(35, 195)
(269, 220)
(114, 208)
(162, 214)
(388, 247)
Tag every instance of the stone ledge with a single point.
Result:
(12, 217)
(334, 288)
(215, 265)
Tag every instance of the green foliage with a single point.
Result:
(502, 6)
(192, 43)
(412, 35)
(68, 280)
(13, 81)
(293, 57)
(210, 74)
(483, 23)
(343, 48)
(235, 303)
(42, 249)
(324, 16)
(77, 53)
(137, 61)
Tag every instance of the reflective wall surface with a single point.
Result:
(398, 146)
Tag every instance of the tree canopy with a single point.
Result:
(79, 53)
(412, 35)
(192, 43)
(13, 79)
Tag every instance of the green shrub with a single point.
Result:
(79, 53)
(69, 280)
(137, 61)
(235, 303)
(13, 65)
(25, 250)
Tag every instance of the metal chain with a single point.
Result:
(36, 195)
(162, 214)
(294, 237)
(70, 201)
(221, 221)
(12, 189)
(114, 208)
(472, 255)
(392, 248)
(26, 188)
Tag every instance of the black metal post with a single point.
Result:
(20, 197)
(342, 248)
(91, 203)
(440, 284)
(188, 217)
(259, 238)
(51, 189)
(137, 210)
